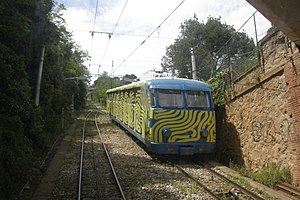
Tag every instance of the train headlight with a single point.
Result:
(204, 133)
(167, 132)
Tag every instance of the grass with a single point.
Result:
(272, 174)
(269, 175)
(193, 189)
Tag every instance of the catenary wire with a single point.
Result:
(236, 31)
(92, 42)
(143, 42)
(95, 17)
(121, 34)
(109, 35)
(119, 17)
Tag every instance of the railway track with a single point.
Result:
(216, 184)
(240, 187)
(143, 176)
(288, 189)
(97, 176)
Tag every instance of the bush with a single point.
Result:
(218, 83)
(15, 155)
(269, 175)
(272, 174)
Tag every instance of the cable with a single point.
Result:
(236, 31)
(135, 35)
(110, 34)
(119, 17)
(143, 42)
(122, 34)
(95, 17)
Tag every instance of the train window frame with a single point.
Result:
(153, 98)
(159, 102)
(199, 106)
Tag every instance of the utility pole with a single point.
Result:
(38, 85)
(257, 44)
(194, 70)
(98, 70)
(112, 73)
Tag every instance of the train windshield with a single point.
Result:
(197, 99)
(170, 98)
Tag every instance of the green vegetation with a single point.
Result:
(272, 174)
(269, 175)
(216, 46)
(105, 82)
(27, 131)
(246, 184)
(218, 83)
(193, 189)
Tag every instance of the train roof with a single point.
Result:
(167, 83)
(178, 84)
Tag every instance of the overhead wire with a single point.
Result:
(122, 34)
(107, 44)
(119, 17)
(137, 35)
(109, 36)
(92, 42)
(143, 42)
(236, 31)
(95, 17)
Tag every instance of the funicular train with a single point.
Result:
(169, 115)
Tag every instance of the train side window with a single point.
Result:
(153, 98)
(170, 98)
(197, 99)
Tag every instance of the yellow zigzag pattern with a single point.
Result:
(185, 125)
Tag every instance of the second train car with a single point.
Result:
(169, 115)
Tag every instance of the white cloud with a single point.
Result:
(141, 17)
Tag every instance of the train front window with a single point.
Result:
(197, 99)
(170, 98)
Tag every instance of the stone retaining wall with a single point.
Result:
(262, 122)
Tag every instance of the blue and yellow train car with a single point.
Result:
(169, 115)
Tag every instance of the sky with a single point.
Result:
(129, 50)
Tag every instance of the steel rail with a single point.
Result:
(95, 170)
(198, 182)
(109, 160)
(248, 192)
(81, 157)
(288, 188)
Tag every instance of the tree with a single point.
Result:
(214, 43)
(127, 79)
(27, 131)
(105, 82)
(102, 84)
(16, 108)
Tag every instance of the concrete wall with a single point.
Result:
(262, 120)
